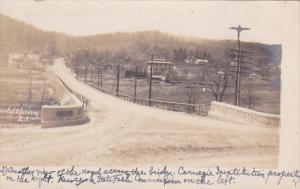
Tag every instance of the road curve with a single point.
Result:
(122, 133)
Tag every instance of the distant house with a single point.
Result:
(160, 68)
(200, 61)
(196, 61)
(25, 60)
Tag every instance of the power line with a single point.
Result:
(239, 29)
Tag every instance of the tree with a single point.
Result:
(180, 54)
(251, 97)
(217, 77)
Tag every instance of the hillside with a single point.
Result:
(19, 36)
(133, 47)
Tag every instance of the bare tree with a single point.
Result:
(217, 77)
(251, 97)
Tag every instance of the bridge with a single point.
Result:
(123, 133)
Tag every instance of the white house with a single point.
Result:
(200, 61)
(24, 60)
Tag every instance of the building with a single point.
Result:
(196, 61)
(200, 61)
(160, 68)
(24, 60)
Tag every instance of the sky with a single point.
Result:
(268, 21)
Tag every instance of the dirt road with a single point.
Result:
(121, 133)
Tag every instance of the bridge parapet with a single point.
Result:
(71, 111)
(228, 111)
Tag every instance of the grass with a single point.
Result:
(15, 85)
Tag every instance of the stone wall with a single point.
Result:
(231, 112)
(56, 116)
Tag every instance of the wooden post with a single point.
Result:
(92, 76)
(101, 78)
(135, 82)
(98, 76)
(150, 80)
(118, 79)
(85, 73)
(239, 29)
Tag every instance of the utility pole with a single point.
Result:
(135, 81)
(98, 76)
(239, 29)
(29, 100)
(28, 61)
(101, 77)
(86, 51)
(150, 80)
(92, 76)
(85, 72)
(118, 79)
(99, 72)
(44, 93)
(243, 69)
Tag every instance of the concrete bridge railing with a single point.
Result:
(228, 111)
(56, 116)
(71, 111)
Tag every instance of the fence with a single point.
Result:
(222, 110)
(85, 101)
(197, 109)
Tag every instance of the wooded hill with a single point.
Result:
(136, 47)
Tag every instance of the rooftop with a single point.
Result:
(159, 61)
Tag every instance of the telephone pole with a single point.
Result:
(85, 72)
(135, 82)
(150, 80)
(243, 65)
(99, 76)
(28, 61)
(29, 99)
(118, 79)
(86, 58)
(239, 29)
(92, 76)
(44, 93)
